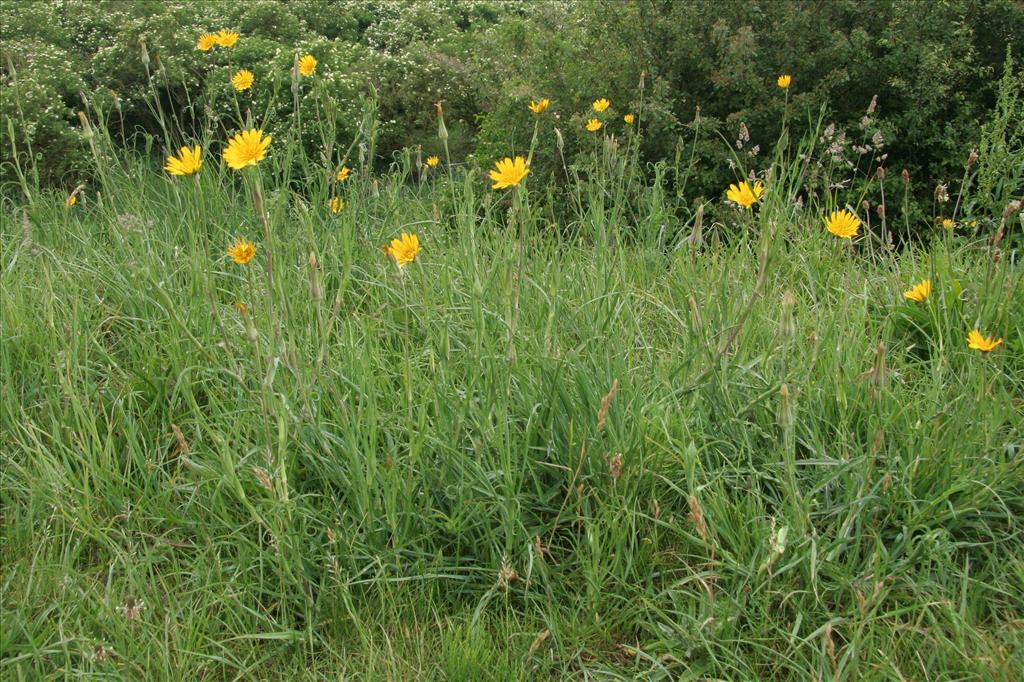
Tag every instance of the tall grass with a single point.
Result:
(586, 434)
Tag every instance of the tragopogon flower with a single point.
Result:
(948, 223)
(509, 172)
(600, 104)
(242, 80)
(307, 65)
(842, 224)
(745, 195)
(337, 204)
(187, 162)
(540, 106)
(978, 342)
(246, 148)
(71, 200)
(629, 118)
(226, 38)
(432, 161)
(403, 251)
(920, 291)
(242, 251)
(593, 125)
(342, 175)
(206, 41)
(784, 81)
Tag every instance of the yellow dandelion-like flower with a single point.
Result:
(187, 162)
(600, 105)
(246, 148)
(241, 307)
(593, 125)
(745, 195)
(242, 80)
(539, 107)
(226, 38)
(337, 204)
(206, 41)
(342, 175)
(242, 251)
(432, 161)
(71, 200)
(972, 224)
(509, 172)
(842, 224)
(948, 224)
(784, 81)
(403, 251)
(978, 342)
(920, 291)
(629, 119)
(307, 65)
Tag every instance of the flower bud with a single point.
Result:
(787, 325)
(787, 408)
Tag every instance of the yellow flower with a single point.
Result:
(432, 161)
(948, 224)
(978, 342)
(784, 81)
(539, 107)
(972, 224)
(629, 118)
(206, 42)
(242, 251)
(403, 251)
(601, 104)
(337, 204)
(920, 291)
(188, 161)
(593, 125)
(307, 65)
(745, 195)
(226, 38)
(342, 175)
(246, 149)
(241, 307)
(842, 224)
(71, 200)
(508, 173)
(242, 80)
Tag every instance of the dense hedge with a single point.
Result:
(931, 69)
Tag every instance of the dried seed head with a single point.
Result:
(506, 574)
(874, 103)
(880, 173)
(606, 401)
(906, 176)
(615, 466)
(941, 193)
(972, 158)
(263, 478)
(697, 518)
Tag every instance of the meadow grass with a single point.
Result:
(598, 443)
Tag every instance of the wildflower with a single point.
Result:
(842, 224)
(342, 175)
(629, 118)
(972, 224)
(745, 195)
(920, 291)
(948, 223)
(601, 104)
(226, 38)
(539, 107)
(246, 149)
(337, 204)
(403, 251)
(242, 80)
(188, 161)
(978, 342)
(307, 65)
(242, 251)
(508, 173)
(593, 125)
(432, 161)
(71, 200)
(784, 81)
(241, 307)
(206, 41)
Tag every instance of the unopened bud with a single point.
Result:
(145, 52)
(972, 158)
(787, 325)
(697, 236)
(442, 130)
(559, 141)
(787, 410)
(316, 291)
(880, 173)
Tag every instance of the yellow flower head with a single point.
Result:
(745, 195)
(71, 200)
(241, 307)
(629, 118)
(342, 175)
(307, 65)
(948, 224)
(187, 162)
(593, 125)
(509, 172)
(246, 149)
(920, 291)
(539, 107)
(403, 251)
(600, 105)
(206, 41)
(242, 80)
(784, 81)
(242, 251)
(978, 342)
(226, 38)
(842, 224)
(432, 161)
(337, 204)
